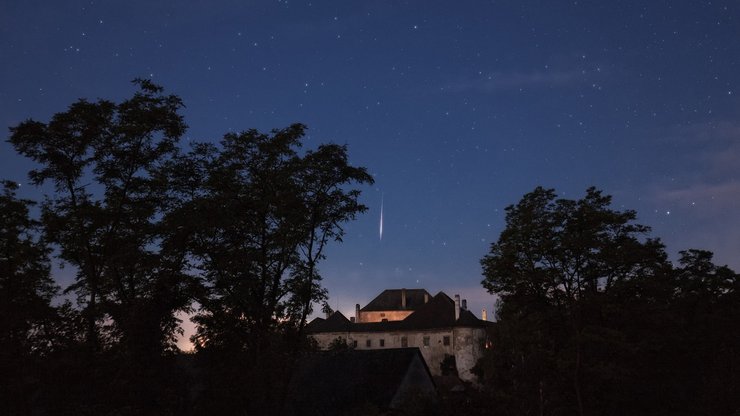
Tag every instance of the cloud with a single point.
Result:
(726, 161)
(708, 199)
(713, 148)
(714, 198)
(503, 81)
(711, 132)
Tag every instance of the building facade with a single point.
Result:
(444, 331)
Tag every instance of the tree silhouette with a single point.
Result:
(255, 215)
(26, 291)
(594, 319)
(105, 219)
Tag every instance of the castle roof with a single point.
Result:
(439, 312)
(392, 300)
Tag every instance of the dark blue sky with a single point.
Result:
(457, 108)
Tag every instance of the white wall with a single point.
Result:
(465, 345)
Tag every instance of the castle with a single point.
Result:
(442, 329)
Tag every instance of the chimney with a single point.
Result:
(357, 312)
(465, 304)
(426, 297)
(352, 319)
(484, 315)
(403, 298)
(457, 307)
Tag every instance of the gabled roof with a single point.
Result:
(391, 300)
(336, 322)
(439, 312)
(335, 382)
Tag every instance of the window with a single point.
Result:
(354, 344)
(382, 343)
(404, 342)
(368, 343)
(426, 341)
(446, 340)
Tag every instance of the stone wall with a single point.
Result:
(469, 344)
(464, 343)
(379, 316)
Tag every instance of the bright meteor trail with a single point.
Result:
(381, 218)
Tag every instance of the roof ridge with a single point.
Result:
(392, 300)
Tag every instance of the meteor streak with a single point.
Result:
(381, 217)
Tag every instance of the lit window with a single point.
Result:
(446, 340)
(426, 341)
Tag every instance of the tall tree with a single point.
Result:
(102, 159)
(326, 204)
(554, 263)
(26, 288)
(256, 216)
(265, 213)
(706, 312)
(26, 291)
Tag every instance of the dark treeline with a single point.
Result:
(232, 233)
(594, 320)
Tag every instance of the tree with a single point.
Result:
(322, 178)
(255, 216)
(26, 288)
(103, 159)
(553, 266)
(108, 229)
(26, 291)
(264, 215)
(706, 312)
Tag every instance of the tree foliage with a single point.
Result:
(101, 158)
(594, 319)
(104, 219)
(236, 229)
(26, 292)
(26, 288)
(255, 215)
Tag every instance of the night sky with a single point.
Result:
(456, 108)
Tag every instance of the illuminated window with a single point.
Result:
(446, 340)
(382, 343)
(368, 343)
(404, 342)
(426, 341)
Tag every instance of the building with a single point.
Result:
(392, 305)
(353, 381)
(444, 331)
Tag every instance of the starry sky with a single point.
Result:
(456, 108)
